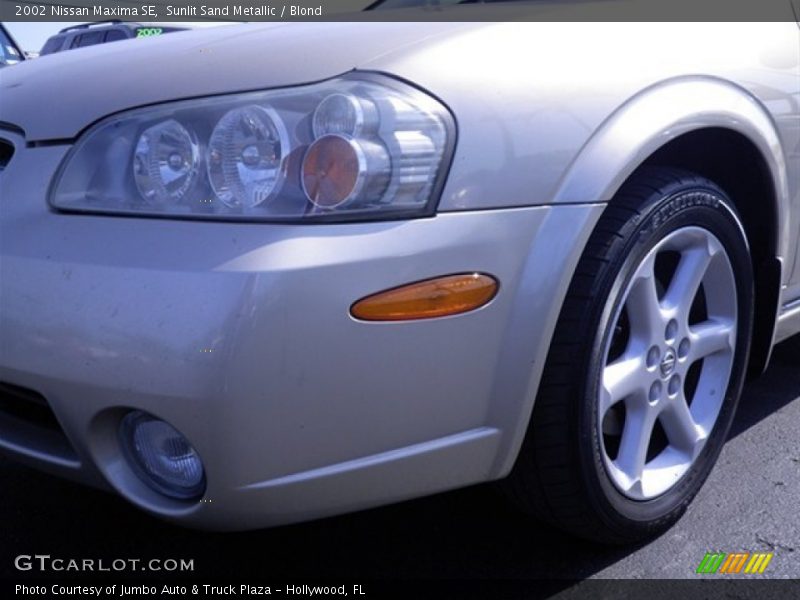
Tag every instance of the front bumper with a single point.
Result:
(240, 336)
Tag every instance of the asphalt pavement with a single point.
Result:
(750, 503)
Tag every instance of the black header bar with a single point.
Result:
(390, 10)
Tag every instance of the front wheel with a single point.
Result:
(646, 365)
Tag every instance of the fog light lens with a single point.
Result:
(162, 457)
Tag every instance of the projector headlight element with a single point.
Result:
(245, 156)
(345, 114)
(358, 147)
(165, 162)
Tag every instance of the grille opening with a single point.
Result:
(27, 405)
(6, 152)
(28, 424)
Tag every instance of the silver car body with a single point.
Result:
(240, 335)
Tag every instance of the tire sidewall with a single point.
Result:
(687, 204)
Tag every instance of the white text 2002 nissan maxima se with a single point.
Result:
(244, 287)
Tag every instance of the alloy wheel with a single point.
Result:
(667, 363)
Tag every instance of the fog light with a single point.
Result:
(161, 456)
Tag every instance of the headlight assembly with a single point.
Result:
(358, 147)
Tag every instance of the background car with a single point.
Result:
(102, 32)
(10, 52)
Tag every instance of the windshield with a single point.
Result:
(9, 53)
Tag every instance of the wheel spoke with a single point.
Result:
(680, 426)
(635, 442)
(644, 308)
(710, 337)
(687, 279)
(621, 379)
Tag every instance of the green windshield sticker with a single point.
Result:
(148, 31)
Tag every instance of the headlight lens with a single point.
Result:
(246, 155)
(352, 148)
(165, 162)
(337, 169)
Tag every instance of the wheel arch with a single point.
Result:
(655, 127)
(719, 130)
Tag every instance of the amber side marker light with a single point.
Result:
(439, 297)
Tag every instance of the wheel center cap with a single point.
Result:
(668, 363)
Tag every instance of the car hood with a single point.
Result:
(57, 96)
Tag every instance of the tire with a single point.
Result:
(644, 373)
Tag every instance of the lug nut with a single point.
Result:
(674, 385)
(683, 348)
(655, 392)
(653, 356)
(672, 330)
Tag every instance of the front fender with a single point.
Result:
(662, 113)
